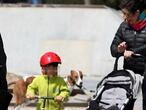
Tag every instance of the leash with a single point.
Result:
(89, 93)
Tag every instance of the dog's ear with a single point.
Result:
(29, 79)
(81, 73)
(71, 72)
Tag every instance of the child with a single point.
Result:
(49, 84)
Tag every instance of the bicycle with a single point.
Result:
(29, 101)
(44, 100)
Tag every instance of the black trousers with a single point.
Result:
(5, 96)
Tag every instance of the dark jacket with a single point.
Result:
(136, 42)
(5, 96)
(2, 53)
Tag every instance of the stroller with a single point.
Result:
(116, 91)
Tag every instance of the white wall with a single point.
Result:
(81, 36)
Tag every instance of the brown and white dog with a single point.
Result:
(20, 87)
(75, 78)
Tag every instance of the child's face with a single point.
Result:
(50, 70)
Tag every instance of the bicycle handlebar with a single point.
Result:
(44, 97)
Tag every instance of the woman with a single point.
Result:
(130, 39)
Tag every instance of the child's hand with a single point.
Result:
(58, 98)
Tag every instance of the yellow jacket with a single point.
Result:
(50, 87)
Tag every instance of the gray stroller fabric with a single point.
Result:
(138, 79)
(118, 96)
(116, 89)
(113, 96)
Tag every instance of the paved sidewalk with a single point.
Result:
(138, 106)
(79, 102)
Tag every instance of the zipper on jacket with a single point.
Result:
(48, 92)
(135, 34)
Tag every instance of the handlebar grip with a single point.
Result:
(44, 97)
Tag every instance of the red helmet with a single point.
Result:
(49, 57)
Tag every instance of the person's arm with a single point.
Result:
(2, 53)
(32, 89)
(140, 50)
(64, 91)
(116, 41)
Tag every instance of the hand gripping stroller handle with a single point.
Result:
(133, 55)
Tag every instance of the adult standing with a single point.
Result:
(130, 39)
(5, 97)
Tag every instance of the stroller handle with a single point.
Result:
(133, 56)
(138, 55)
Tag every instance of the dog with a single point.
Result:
(20, 87)
(75, 78)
